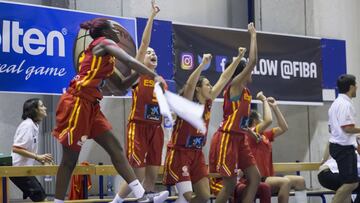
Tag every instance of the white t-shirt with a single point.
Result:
(26, 137)
(342, 113)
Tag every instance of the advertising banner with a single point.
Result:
(289, 68)
(40, 46)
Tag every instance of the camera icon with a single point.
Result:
(187, 61)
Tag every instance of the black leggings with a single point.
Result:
(333, 181)
(30, 187)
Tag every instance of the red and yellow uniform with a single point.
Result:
(185, 160)
(145, 137)
(229, 150)
(78, 115)
(262, 151)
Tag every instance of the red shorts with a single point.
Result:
(263, 192)
(229, 153)
(216, 185)
(144, 144)
(77, 120)
(184, 165)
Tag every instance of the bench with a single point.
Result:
(109, 170)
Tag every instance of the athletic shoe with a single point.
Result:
(159, 197)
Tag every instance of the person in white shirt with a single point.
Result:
(329, 177)
(342, 137)
(25, 149)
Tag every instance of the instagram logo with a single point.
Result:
(187, 61)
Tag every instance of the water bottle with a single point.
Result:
(300, 196)
(168, 126)
(48, 178)
(109, 185)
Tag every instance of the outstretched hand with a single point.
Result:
(162, 82)
(260, 95)
(272, 101)
(251, 29)
(155, 8)
(241, 52)
(44, 158)
(206, 58)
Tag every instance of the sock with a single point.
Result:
(137, 188)
(117, 199)
(58, 201)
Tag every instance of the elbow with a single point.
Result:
(224, 77)
(348, 129)
(267, 122)
(285, 128)
(145, 42)
(15, 150)
(252, 62)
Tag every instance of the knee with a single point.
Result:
(353, 186)
(229, 185)
(300, 184)
(37, 196)
(187, 196)
(203, 196)
(285, 184)
(255, 178)
(264, 190)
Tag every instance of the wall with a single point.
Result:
(330, 19)
(307, 135)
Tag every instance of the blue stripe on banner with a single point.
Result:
(333, 61)
(161, 42)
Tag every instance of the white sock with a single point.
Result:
(58, 201)
(137, 188)
(117, 199)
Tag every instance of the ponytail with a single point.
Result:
(96, 26)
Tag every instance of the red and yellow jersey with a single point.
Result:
(236, 111)
(93, 70)
(186, 136)
(145, 107)
(262, 151)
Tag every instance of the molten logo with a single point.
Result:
(33, 40)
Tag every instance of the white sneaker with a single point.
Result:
(159, 197)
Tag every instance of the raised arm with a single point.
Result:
(283, 126)
(267, 117)
(238, 81)
(124, 83)
(110, 47)
(225, 77)
(190, 85)
(145, 41)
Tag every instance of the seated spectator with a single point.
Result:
(25, 149)
(329, 177)
(260, 140)
(263, 191)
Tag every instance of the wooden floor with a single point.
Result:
(89, 200)
(68, 201)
